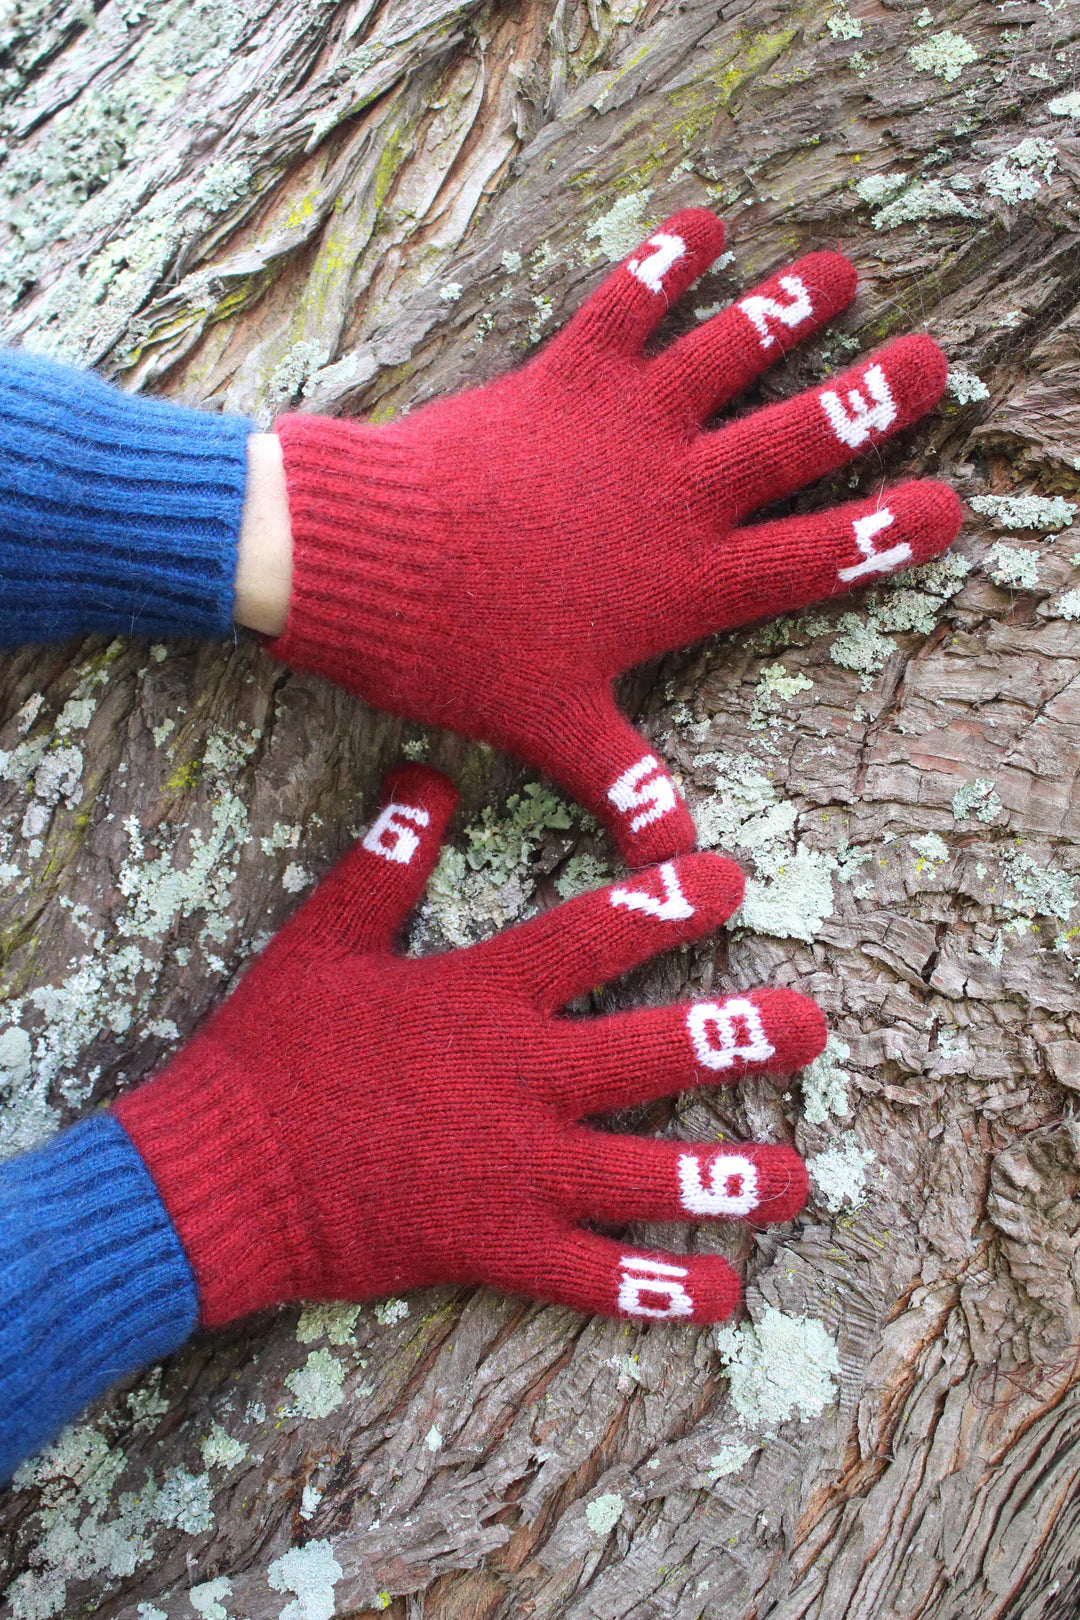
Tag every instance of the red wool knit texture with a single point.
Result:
(352, 1123)
(494, 560)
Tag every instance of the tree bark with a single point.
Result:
(352, 207)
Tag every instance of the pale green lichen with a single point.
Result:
(912, 600)
(511, 262)
(743, 809)
(222, 184)
(876, 188)
(296, 878)
(930, 847)
(824, 1083)
(978, 799)
(351, 370)
(75, 715)
(861, 647)
(1025, 511)
(946, 55)
(1019, 174)
(208, 1599)
(433, 1440)
(475, 891)
(542, 259)
(850, 859)
(451, 292)
(1013, 568)
(311, 1572)
(604, 1512)
(1068, 606)
(965, 387)
(146, 1403)
(619, 231)
(925, 199)
(1066, 106)
(791, 894)
(1038, 892)
(544, 309)
(221, 1450)
(318, 1385)
(840, 1173)
(28, 712)
(185, 1502)
(282, 836)
(842, 25)
(580, 874)
(295, 367)
(776, 686)
(334, 1323)
(732, 1457)
(390, 1311)
(779, 1367)
(113, 164)
(953, 1049)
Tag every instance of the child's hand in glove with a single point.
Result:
(492, 562)
(351, 1122)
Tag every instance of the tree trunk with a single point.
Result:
(353, 207)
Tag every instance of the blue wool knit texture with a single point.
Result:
(118, 513)
(93, 1280)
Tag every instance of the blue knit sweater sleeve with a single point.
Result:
(93, 1280)
(118, 513)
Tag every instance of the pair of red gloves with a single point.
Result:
(351, 1122)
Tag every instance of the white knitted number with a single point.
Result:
(725, 1031)
(672, 908)
(643, 787)
(854, 421)
(875, 562)
(642, 1279)
(390, 835)
(760, 309)
(653, 267)
(727, 1186)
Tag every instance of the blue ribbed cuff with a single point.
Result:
(93, 1280)
(118, 513)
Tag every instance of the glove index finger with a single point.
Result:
(634, 299)
(598, 936)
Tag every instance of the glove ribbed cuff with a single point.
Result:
(117, 512)
(370, 576)
(94, 1283)
(195, 1126)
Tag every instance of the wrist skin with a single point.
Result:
(264, 552)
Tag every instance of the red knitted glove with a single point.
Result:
(351, 1123)
(493, 561)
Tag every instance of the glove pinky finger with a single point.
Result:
(599, 1276)
(790, 563)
